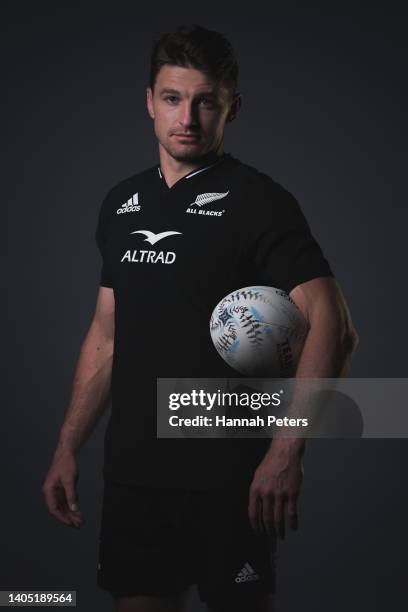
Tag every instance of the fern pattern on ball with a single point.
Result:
(258, 330)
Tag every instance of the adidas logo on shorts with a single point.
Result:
(132, 205)
(247, 574)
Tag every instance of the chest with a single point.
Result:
(178, 236)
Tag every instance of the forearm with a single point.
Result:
(90, 390)
(327, 353)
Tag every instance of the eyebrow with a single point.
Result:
(177, 93)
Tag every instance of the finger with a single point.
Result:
(257, 512)
(74, 518)
(60, 496)
(253, 509)
(71, 495)
(293, 513)
(78, 518)
(53, 505)
(279, 516)
(259, 521)
(268, 516)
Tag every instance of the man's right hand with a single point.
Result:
(59, 489)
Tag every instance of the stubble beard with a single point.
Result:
(184, 156)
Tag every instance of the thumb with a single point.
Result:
(71, 496)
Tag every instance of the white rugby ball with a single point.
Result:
(259, 331)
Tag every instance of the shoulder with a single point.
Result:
(260, 182)
(127, 187)
(263, 191)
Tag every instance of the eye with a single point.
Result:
(207, 102)
(171, 99)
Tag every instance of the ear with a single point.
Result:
(149, 102)
(235, 106)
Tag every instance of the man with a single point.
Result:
(180, 512)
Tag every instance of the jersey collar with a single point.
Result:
(185, 178)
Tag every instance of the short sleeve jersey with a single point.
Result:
(170, 255)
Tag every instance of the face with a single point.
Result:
(189, 110)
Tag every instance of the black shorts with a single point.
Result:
(158, 542)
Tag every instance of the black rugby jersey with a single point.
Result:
(170, 255)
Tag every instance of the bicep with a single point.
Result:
(104, 316)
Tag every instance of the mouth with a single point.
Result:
(187, 136)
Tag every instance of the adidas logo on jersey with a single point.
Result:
(132, 205)
(247, 574)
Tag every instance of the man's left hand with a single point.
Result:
(276, 483)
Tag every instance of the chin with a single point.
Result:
(185, 153)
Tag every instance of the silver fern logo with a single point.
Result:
(205, 198)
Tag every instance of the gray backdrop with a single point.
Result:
(324, 106)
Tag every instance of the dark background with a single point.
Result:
(324, 108)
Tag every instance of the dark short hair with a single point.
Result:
(196, 47)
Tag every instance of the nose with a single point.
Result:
(188, 116)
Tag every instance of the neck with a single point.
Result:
(174, 169)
